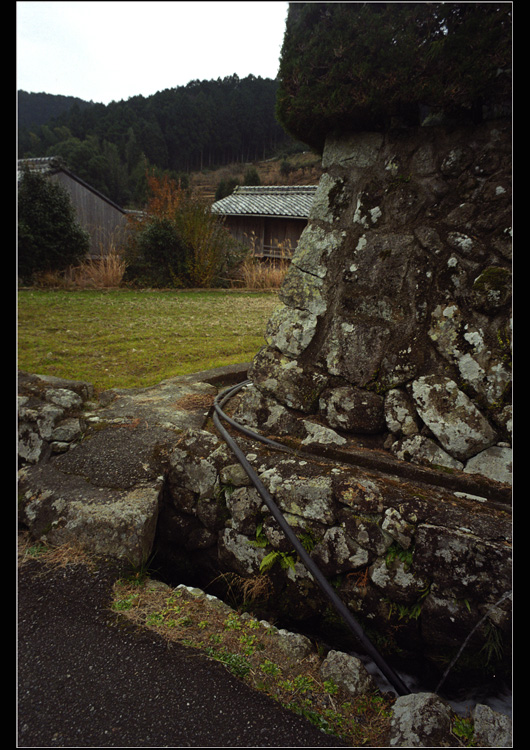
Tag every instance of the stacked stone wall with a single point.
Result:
(396, 312)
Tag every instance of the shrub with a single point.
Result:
(180, 242)
(49, 235)
(161, 255)
(225, 188)
(252, 177)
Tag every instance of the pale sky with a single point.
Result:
(104, 51)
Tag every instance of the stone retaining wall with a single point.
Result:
(419, 565)
(396, 311)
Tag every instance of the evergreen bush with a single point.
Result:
(225, 188)
(179, 242)
(356, 66)
(160, 257)
(49, 235)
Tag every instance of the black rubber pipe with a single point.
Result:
(309, 563)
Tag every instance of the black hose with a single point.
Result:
(319, 578)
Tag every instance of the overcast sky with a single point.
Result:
(104, 51)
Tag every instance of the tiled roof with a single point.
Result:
(43, 164)
(291, 201)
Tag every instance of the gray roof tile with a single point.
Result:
(290, 201)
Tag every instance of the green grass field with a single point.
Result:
(125, 339)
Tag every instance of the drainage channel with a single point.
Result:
(387, 678)
(386, 670)
(462, 689)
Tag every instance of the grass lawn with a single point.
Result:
(125, 339)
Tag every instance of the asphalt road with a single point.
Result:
(86, 681)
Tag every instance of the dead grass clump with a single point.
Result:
(255, 274)
(247, 591)
(105, 272)
(194, 401)
(264, 273)
(53, 555)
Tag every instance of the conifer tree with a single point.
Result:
(49, 235)
(358, 66)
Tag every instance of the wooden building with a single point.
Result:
(270, 219)
(104, 220)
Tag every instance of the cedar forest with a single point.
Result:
(344, 66)
(204, 124)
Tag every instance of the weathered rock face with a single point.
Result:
(396, 311)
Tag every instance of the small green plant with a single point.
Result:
(396, 551)
(36, 550)
(307, 541)
(125, 603)
(286, 561)
(141, 572)
(270, 668)
(411, 611)
(260, 540)
(185, 622)
(403, 611)
(464, 730)
(303, 684)
(237, 664)
(330, 687)
(493, 647)
(156, 619)
(248, 643)
(233, 622)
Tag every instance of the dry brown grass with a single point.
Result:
(56, 556)
(194, 401)
(105, 272)
(255, 274)
(100, 273)
(263, 274)
(253, 590)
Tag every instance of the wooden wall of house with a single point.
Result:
(105, 223)
(268, 236)
(246, 229)
(280, 236)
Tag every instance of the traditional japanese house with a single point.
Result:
(104, 220)
(270, 219)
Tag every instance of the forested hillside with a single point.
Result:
(38, 109)
(204, 124)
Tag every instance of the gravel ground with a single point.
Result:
(85, 680)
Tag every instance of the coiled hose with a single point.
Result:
(319, 578)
